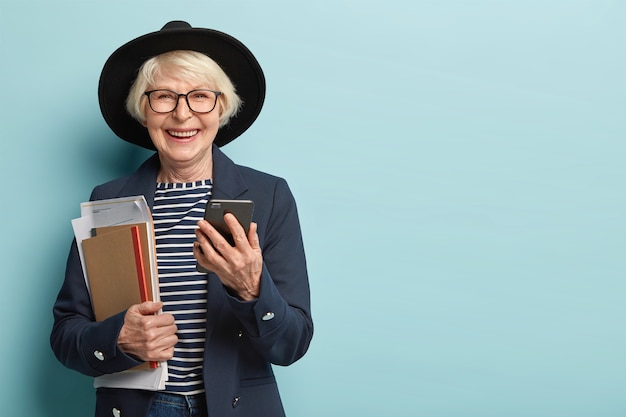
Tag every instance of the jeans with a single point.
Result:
(174, 405)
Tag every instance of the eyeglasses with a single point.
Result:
(166, 101)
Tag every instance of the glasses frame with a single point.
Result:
(186, 95)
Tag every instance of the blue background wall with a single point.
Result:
(459, 168)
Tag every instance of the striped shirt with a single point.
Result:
(177, 209)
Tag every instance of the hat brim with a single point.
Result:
(234, 58)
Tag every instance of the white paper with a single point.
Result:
(146, 379)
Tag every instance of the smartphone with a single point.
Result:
(214, 214)
(241, 209)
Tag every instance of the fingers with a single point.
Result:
(160, 349)
(238, 267)
(146, 335)
(236, 230)
(146, 317)
(215, 253)
(208, 237)
(212, 245)
(253, 237)
(207, 234)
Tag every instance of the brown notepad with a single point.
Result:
(111, 265)
(116, 279)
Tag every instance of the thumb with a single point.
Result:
(149, 307)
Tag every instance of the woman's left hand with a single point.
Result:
(238, 267)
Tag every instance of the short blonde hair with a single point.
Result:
(187, 65)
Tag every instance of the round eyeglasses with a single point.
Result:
(166, 101)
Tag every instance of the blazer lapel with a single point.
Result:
(228, 182)
(143, 182)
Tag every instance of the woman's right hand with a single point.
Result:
(147, 335)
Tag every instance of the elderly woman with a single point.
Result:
(185, 92)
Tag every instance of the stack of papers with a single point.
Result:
(117, 250)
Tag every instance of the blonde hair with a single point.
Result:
(186, 65)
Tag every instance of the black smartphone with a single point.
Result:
(214, 214)
(241, 209)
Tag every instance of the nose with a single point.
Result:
(182, 111)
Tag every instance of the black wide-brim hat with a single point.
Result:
(120, 71)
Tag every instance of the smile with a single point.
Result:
(185, 134)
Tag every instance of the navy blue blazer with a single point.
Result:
(240, 345)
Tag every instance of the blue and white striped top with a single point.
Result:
(177, 209)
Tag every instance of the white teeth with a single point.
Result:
(186, 134)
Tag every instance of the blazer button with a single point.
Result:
(267, 316)
(117, 413)
(99, 355)
(240, 334)
(235, 402)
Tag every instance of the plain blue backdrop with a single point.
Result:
(459, 168)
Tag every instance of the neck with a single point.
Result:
(180, 173)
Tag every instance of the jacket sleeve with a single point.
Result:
(279, 323)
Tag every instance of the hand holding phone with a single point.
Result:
(214, 214)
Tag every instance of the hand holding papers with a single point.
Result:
(116, 245)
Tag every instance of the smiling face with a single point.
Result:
(182, 137)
